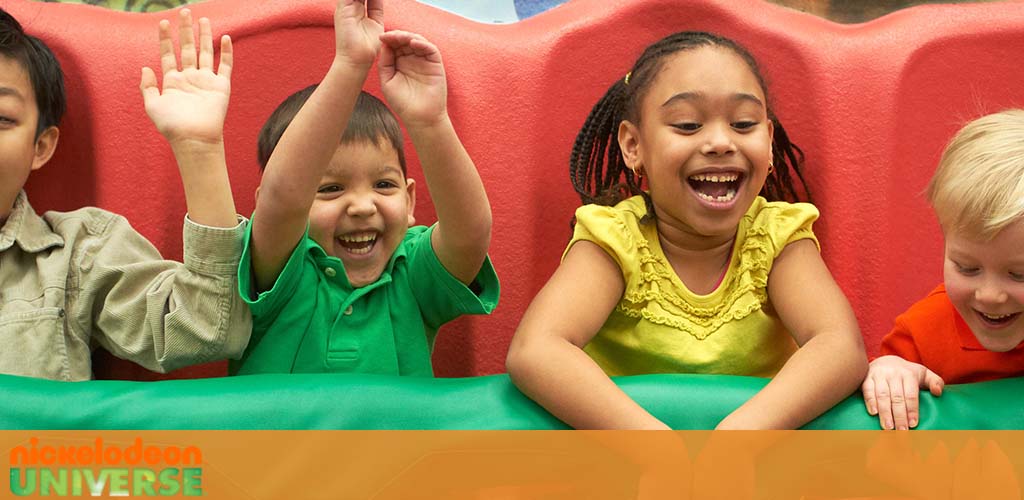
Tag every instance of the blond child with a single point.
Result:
(969, 328)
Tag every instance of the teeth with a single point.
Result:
(715, 178)
(996, 318)
(728, 196)
(358, 238)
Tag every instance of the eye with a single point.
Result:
(965, 270)
(1017, 276)
(385, 184)
(329, 188)
(6, 121)
(744, 125)
(688, 127)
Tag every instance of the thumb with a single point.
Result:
(933, 382)
(148, 84)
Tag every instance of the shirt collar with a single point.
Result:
(27, 228)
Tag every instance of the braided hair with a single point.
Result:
(596, 167)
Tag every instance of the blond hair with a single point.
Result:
(978, 187)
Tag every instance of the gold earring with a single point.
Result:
(771, 167)
(638, 172)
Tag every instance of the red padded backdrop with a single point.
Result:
(872, 105)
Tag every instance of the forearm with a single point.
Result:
(293, 173)
(561, 377)
(204, 175)
(302, 155)
(827, 369)
(165, 314)
(463, 210)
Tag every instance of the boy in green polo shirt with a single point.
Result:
(336, 278)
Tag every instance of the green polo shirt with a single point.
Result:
(313, 321)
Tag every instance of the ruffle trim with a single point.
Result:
(655, 299)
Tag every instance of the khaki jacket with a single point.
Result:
(71, 281)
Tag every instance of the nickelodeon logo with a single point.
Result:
(102, 470)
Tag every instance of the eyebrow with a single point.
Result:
(12, 92)
(700, 96)
(389, 169)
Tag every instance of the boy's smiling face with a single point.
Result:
(363, 208)
(20, 151)
(985, 282)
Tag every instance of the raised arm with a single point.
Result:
(546, 359)
(190, 114)
(294, 170)
(830, 363)
(413, 82)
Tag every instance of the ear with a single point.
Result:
(410, 191)
(629, 144)
(46, 144)
(256, 197)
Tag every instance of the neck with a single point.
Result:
(698, 260)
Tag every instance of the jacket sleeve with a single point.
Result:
(158, 313)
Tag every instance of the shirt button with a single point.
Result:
(330, 272)
(348, 311)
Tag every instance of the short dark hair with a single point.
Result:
(371, 121)
(43, 70)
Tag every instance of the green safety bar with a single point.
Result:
(355, 401)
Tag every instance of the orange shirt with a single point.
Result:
(933, 334)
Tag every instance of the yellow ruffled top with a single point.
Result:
(660, 326)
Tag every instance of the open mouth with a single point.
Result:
(716, 188)
(996, 320)
(358, 243)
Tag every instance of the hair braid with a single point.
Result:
(596, 167)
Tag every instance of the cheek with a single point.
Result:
(958, 288)
(322, 221)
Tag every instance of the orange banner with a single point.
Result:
(810, 465)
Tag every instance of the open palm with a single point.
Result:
(194, 100)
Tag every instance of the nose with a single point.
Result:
(990, 293)
(361, 206)
(719, 139)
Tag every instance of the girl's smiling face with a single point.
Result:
(703, 140)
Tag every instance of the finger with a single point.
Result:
(882, 392)
(375, 10)
(148, 85)
(910, 393)
(386, 63)
(421, 47)
(168, 62)
(898, 396)
(227, 57)
(933, 382)
(186, 40)
(205, 44)
(868, 390)
(396, 38)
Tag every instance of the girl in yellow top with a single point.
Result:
(699, 273)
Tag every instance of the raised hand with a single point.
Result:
(194, 100)
(412, 78)
(358, 25)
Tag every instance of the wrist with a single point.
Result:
(343, 64)
(440, 123)
(196, 145)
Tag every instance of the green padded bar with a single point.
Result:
(691, 402)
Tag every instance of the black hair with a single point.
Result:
(43, 70)
(371, 121)
(596, 167)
